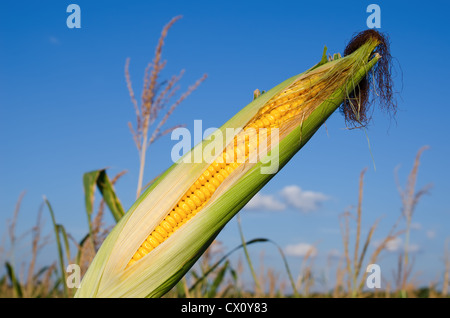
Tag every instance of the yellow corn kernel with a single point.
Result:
(217, 166)
(210, 187)
(206, 192)
(153, 242)
(158, 237)
(143, 251)
(185, 207)
(200, 195)
(190, 203)
(193, 188)
(147, 246)
(176, 216)
(137, 256)
(171, 221)
(275, 113)
(202, 179)
(180, 212)
(161, 231)
(166, 225)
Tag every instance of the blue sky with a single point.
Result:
(64, 109)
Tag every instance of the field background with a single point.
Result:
(348, 199)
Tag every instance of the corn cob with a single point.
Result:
(174, 221)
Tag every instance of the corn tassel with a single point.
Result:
(173, 222)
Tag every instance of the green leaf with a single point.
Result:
(212, 268)
(218, 280)
(247, 256)
(56, 229)
(89, 182)
(63, 232)
(100, 179)
(112, 201)
(323, 60)
(15, 283)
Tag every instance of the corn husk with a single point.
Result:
(163, 267)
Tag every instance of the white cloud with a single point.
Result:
(396, 244)
(53, 40)
(305, 201)
(265, 202)
(431, 234)
(416, 226)
(301, 249)
(392, 245)
(334, 253)
(412, 248)
(289, 196)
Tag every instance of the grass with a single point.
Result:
(216, 274)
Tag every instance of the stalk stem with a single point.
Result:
(141, 166)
